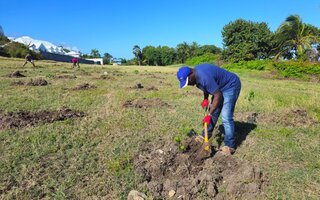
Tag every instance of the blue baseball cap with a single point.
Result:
(182, 76)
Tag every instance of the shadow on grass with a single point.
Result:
(242, 130)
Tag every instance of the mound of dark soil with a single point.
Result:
(146, 103)
(27, 118)
(37, 82)
(168, 172)
(85, 86)
(294, 118)
(138, 86)
(16, 74)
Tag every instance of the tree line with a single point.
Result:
(243, 40)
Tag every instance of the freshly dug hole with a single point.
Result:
(165, 169)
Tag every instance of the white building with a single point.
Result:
(45, 46)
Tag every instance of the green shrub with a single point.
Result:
(252, 65)
(206, 58)
(297, 69)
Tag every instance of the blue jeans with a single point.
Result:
(226, 108)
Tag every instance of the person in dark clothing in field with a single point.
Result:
(29, 58)
(224, 86)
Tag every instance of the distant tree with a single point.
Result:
(123, 60)
(167, 55)
(95, 53)
(137, 53)
(207, 49)
(295, 37)
(83, 55)
(246, 40)
(107, 58)
(150, 55)
(183, 52)
(194, 48)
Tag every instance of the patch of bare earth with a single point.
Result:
(32, 82)
(26, 118)
(84, 86)
(145, 103)
(295, 118)
(37, 82)
(169, 173)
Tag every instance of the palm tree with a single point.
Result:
(137, 53)
(294, 35)
(183, 52)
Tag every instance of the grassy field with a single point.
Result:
(92, 157)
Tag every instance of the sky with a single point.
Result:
(115, 26)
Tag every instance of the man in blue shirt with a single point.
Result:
(224, 87)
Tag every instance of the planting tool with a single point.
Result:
(205, 150)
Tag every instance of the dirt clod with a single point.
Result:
(165, 169)
(145, 103)
(26, 118)
(37, 82)
(16, 74)
(85, 86)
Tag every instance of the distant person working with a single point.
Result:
(75, 62)
(29, 58)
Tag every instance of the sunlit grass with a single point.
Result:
(93, 156)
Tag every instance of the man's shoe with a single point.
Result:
(227, 150)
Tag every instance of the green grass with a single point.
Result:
(92, 157)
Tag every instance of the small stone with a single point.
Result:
(136, 195)
(160, 151)
(172, 193)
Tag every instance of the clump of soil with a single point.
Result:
(168, 172)
(138, 86)
(294, 118)
(26, 118)
(85, 86)
(37, 82)
(16, 74)
(146, 103)
(66, 76)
